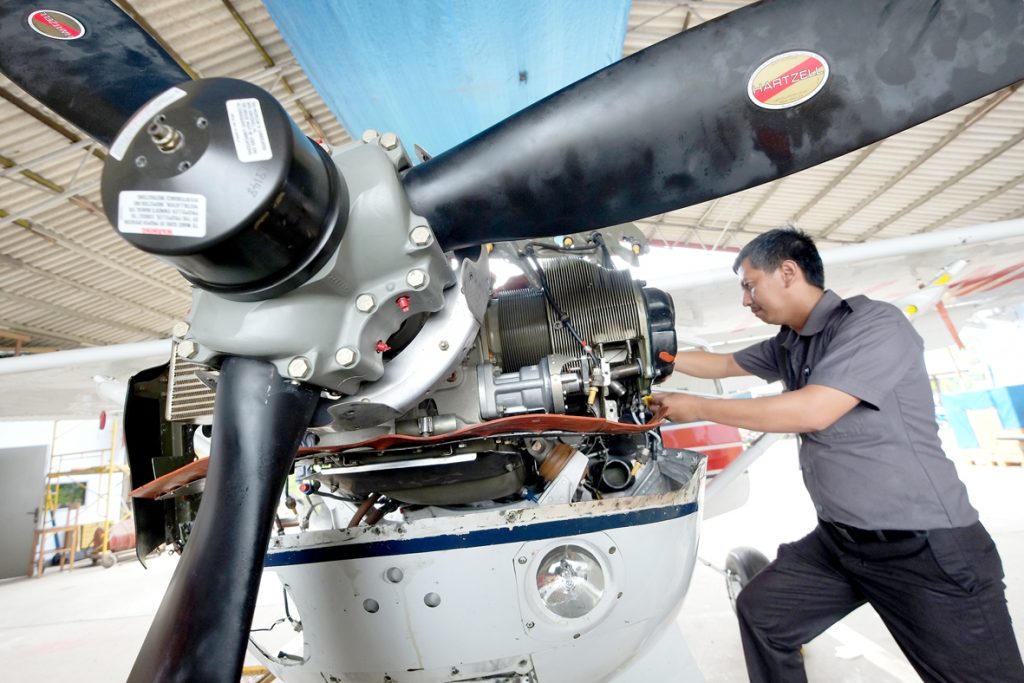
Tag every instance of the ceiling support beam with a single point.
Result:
(742, 223)
(832, 184)
(42, 159)
(27, 212)
(1009, 144)
(39, 332)
(72, 313)
(21, 266)
(128, 9)
(53, 236)
(984, 199)
(46, 120)
(969, 121)
(269, 61)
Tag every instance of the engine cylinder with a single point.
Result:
(604, 306)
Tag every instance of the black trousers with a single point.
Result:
(942, 598)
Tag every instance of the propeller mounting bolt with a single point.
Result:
(345, 356)
(369, 135)
(180, 329)
(365, 303)
(421, 236)
(298, 368)
(187, 349)
(416, 278)
(389, 141)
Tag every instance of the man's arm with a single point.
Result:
(707, 365)
(810, 409)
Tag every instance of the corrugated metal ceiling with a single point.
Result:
(67, 280)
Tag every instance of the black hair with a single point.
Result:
(768, 250)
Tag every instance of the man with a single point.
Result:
(895, 527)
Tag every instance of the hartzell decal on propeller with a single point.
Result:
(788, 80)
(326, 308)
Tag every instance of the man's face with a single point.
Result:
(763, 293)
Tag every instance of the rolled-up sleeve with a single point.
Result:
(761, 360)
(869, 356)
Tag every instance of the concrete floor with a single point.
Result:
(86, 626)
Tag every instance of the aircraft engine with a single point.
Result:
(587, 341)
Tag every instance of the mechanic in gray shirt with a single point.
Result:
(895, 527)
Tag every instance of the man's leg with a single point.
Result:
(946, 607)
(795, 598)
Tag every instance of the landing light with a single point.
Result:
(570, 581)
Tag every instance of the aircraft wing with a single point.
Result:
(73, 384)
(906, 271)
(82, 382)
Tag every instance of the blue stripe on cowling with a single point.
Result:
(474, 539)
(437, 72)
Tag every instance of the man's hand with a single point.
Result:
(677, 407)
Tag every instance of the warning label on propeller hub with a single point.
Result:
(787, 80)
(248, 130)
(177, 214)
(57, 25)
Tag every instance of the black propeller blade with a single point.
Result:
(684, 121)
(201, 630)
(86, 60)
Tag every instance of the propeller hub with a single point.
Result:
(213, 177)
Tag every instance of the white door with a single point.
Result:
(22, 476)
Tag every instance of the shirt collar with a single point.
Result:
(820, 313)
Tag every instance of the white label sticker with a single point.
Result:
(177, 214)
(141, 118)
(249, 130)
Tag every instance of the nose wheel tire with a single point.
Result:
(741, 565)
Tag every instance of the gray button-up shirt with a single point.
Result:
(881, 465)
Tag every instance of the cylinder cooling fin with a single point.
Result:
(523, 328)
(606, 304)
(278, 210)
(605, 307)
